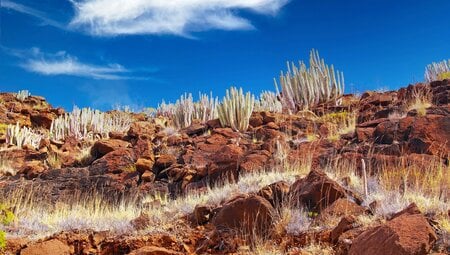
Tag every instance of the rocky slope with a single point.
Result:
(153, 160)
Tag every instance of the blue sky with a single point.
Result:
(100, 53)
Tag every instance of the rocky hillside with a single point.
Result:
(331, 180)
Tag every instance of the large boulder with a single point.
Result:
(408, 233)
(101, 148)
(316, 191)
(247, 215)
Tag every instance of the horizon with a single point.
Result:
(74, 53)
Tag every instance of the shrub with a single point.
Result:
(437, 71)
(304, 87)
(87, 123)
(23, 94)
(17, 136)
(268, 101)
(6, 217)
(235, 109)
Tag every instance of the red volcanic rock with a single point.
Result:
(195, 129)
(316, 191)
(247, 214)
(441, 92)
(42, 119)
(52, 246)
(143, 165)
(148, 176)
(256, 120)
(344, 225)
(254, 162)
(101, 148)
(142, 129)
(154, 250)
(115, 162)
(276, 193)
(342, 207)
(201, 214)
(406, 234)
(164, 161)
(143, 149)
(217, 139)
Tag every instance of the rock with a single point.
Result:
(195, 129)
(115, 162)
(344, 225)
(201, 214)
(316, 191)
(143, 165)
(52, 246)
(406, 234)
(142, 130)
(153, 250)
(42, 119)
(164, 161)
(256, 120)
(247, 214)
(409, 210)
(101, 148)
(254, 162)
(275, 193)
(148, 176)
(342, 207)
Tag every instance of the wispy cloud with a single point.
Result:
(178, 17)
(31, 12)
(61, 63)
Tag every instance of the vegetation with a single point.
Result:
(6, 217)
(437, 71)
(235, 109)
(268, 101)
(17, 136)
(87, 124)
(304, 87)
(22, 95)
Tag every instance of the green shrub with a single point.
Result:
(6, 217)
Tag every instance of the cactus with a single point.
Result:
(23, 94)
(268, 101)
(235, 109)
(17, 136)
(185, 110)
(437, 71)
(87, 123)
(303, 87)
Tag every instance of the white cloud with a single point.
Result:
(31, 12)
(179, 17)
(61, 63)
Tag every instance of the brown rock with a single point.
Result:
(247, 214)
(275, 193)
(202, 214)
(101, 148)
(407, 234)
(342, 207)
(164, 161)
(52, 246)
(143, 165)
(344, 225)
(115, 162)
(42, 119)
(316, 191)
(254, 162)
(141, 222)
(148, 176)
(153, 250)
(142, 129)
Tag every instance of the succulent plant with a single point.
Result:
(235, 109)
(20, 136)
(437, 71)
(303, 87)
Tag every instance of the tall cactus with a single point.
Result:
(235, 109)
(304, 87)
(437, 71)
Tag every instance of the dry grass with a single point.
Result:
(420, 101)
(6, 167)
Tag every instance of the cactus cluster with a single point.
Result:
(20, 136)
(437, 71)
(303, 87)
(235, 109)
(268, 101)
(87, 124)
(185, 110)
(22, 94)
